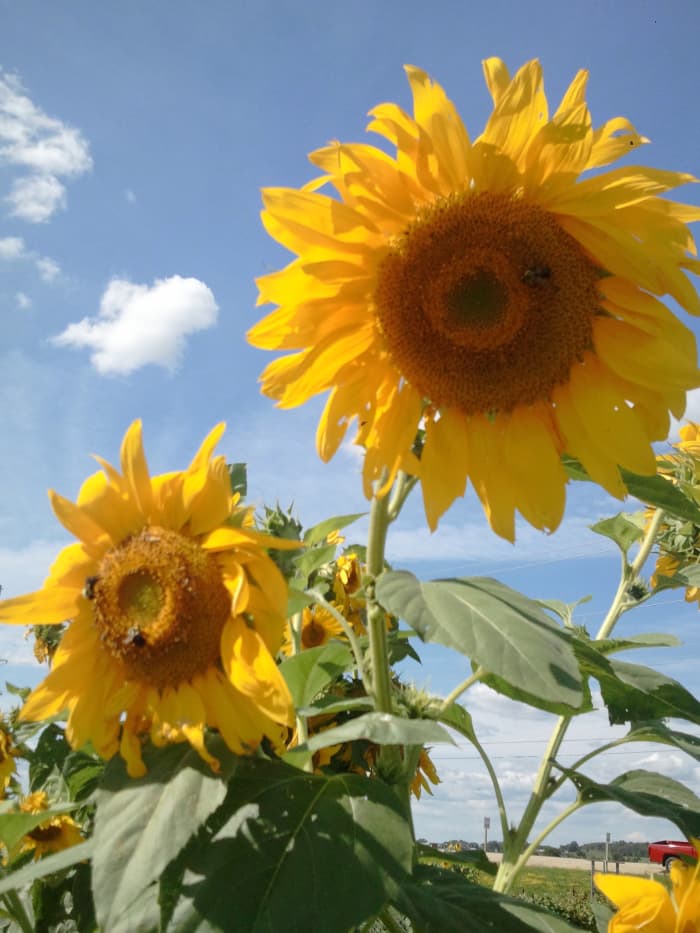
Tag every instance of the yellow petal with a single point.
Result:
(252, 670)
(444, 464)
(43, 607)
(135, 469)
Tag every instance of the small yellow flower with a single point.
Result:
(646, 905)
(176, 611)
(425, 771)
(57, 833)
(499, 293)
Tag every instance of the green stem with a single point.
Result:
(350, 635)
(295, 625)
(463, 687)
(550, 827)
(16, 909)
(402, 489)
(378, 642)
(489, 768)
(514, 846)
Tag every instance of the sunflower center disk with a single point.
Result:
(485, 303)
(160, 606)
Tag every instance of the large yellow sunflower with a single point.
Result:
(177, 612)
(485, 292)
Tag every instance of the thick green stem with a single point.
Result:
(514, 846)
(376, 624)
(295, 625)
(15, 908)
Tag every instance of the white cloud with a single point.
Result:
(12, 247)
(130, 196)
(36, 197)
(44, 147)
(137, 324)
(49, 269)
(23, 301)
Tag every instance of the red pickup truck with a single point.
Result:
(668, 850)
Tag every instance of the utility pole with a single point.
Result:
(487, 823)
(607, 850)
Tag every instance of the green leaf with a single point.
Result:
(647, 793)
(645, 640)
(527, 655)
(294, 851)
(143, 823)
(659, 732)
(297, 600)
(565, 611)
(621, 529)
(457, 717)
(21, 692)
(321, 531)
(441, 901)
(313, 558)
(312, 670)
(383, 729)
(329, 705)
(47, 865)
(633, 693)
(51, 751)
(654, 490)
(238, 477)
(14, 825)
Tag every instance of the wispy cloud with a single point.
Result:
(139, 325)
(23, 301)
(13, 249)
(42, 148)
(48, 269)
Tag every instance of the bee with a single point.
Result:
(537, 275)
(89, 588)
(134, 636)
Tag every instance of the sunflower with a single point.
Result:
(318, 627)
(57, 833)
(647, 905)
(482, 292)
(176, 612)
(679, 540)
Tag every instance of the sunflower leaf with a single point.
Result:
(143, 823)
(312, 670)
(634, 693)
(48, 865)
(381, 728)
(313, 558)
(526, 655)
(647, 793)
(278, 848)
(622, 529)
(321, 531)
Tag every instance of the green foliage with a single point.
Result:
(647, 793)
(524, 653)
(238, 476)
(313, 670)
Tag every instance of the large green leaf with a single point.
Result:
(313, 558)
(14, 824)
(645, 640)
(633, 693)
(48, 865)
(647, 793)
(312, 670)
(297, 852)
(142, 824)
(383, 729)
(441, 901)
(474, 857)
(654, 490)
(527, 655)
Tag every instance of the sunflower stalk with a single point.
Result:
(516, 852)
(302, 726)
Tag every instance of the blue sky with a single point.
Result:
(134, 140)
